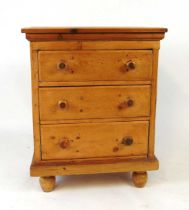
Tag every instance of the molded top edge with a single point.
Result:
(91, 30)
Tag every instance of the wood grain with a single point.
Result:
(53, 34)
(117, 119)
(94, 30)
(94, 65)
(95, 45)
(94, 83)
(53, 169)
(88, 140)
(35, 105)
(153, 105)
(112, 36)
(94, 102)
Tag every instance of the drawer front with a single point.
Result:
(81, 66)
(88, 140)
(94, 102)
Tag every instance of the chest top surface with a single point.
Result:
(93, 33)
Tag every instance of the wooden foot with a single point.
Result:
(139, 178)
(47, 183)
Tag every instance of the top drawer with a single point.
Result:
(91, 65)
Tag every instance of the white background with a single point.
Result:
(167, 188)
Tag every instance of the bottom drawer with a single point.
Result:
(92, 140)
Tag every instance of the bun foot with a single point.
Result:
(47, 183)
(139, 178)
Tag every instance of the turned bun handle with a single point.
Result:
(125, 104)
(63, 104)
(61, 65)
(127, 140)
(130, 65)
(65, 143)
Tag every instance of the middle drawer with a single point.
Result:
(63, 103)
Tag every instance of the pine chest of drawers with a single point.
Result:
(94, 101)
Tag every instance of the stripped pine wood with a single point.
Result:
(88, 140)
(94, 101)
(78, 66)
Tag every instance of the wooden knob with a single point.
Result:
(130, 102)
(130, 65)
(127, 140)
(61, 65)
(62, 104)
(65, 143)
(125, 104)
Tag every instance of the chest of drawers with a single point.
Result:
(94, 101)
